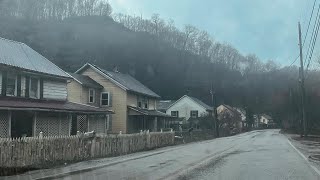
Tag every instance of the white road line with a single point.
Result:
(305, 158)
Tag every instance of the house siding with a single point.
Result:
(184, 106)
(132, 100)
(264, 120)
(118, 103)
(74, 92)
(152, 105)
(54, 90)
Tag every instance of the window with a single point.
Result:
(105, 99)
(194, 114)
(175, 113)
(143, 102)
(146, 105)
(34, 88)
(92, 94)
(11, 85)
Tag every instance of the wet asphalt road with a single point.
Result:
(250, 156)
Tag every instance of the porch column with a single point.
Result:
(34, 128)
(9, 123)
(155, 124)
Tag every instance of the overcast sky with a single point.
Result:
(266, 28)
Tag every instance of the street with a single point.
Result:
(264, 154)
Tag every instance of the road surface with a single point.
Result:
(264, 154)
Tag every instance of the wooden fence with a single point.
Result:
(36, 152)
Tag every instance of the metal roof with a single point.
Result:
(20, 55)
(164, 104)
(127, 81)
(86, 81)
(196, 100)
(266, 116)
(207, 107)
(149, 112)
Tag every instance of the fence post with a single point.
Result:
(93, 145)
(161, 130)
(41, 135)
(148, 139)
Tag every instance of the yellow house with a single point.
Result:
(133, 103)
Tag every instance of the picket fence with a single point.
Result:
(37, 152)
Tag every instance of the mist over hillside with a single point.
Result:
(170, 61)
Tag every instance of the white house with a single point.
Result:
(188, 107)
(264, 119)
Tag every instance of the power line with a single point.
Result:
(312, 35)
(305, 37)
(314, 40)
(294, 60)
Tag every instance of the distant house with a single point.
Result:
(189, 107)
(266, 121)
(229, 116)
(34, 95)
(133, 103)
(243, 116)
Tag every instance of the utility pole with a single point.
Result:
(214, 113)
(302, 85)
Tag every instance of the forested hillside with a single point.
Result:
(171, 61)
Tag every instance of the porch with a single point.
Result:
(20, 118)
(143, 119)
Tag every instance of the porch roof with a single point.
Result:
(50, 105)
(147, 112)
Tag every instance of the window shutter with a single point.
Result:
(110, 99)
(4, 83)
(19, 85)
(41, 88)
(27, 86)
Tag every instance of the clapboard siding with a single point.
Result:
(74, 92)
(54, 90)
(119, 100)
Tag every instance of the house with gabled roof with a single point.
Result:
(188, 107)
(230, 116)
(34, 95)
(134, 104)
